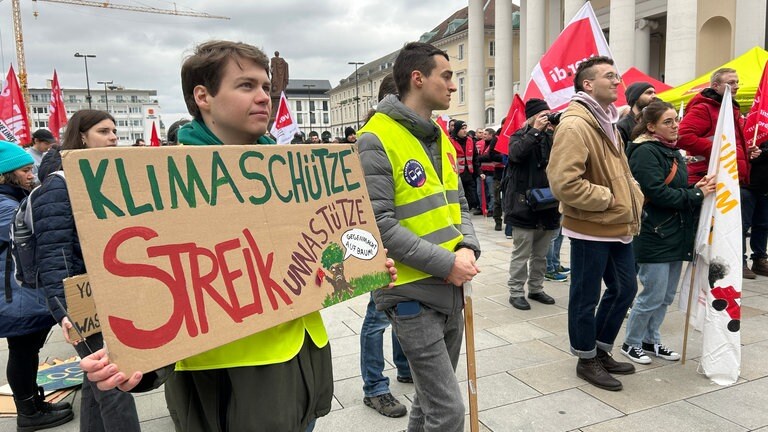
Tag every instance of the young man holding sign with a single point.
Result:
(412, 177)
(279, 379)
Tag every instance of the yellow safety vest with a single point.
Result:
(274, 345)
(425, 204)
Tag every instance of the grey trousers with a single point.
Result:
(529, 260)
(431, 341)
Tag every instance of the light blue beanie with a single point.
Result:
(13, 157)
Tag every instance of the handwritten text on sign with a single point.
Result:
(189, 248)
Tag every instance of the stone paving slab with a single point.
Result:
(742, 404)
(561, 411)
(678, 416)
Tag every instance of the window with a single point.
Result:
(325, 105)
(490, 116)
(41, 124)
(312, 118)
(35, 97)
(325, 118)
(461, 51)
(122, 123)
(299, 118)
(102, 98)
(136, 122)
(491, 79)
(492, 48)
(119, 98)
(40, 110)
(298, 105)
(311, 106)
(134, 99)
(134, 110)
(461, 88)
(72, 99)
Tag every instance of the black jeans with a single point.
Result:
(23, 358)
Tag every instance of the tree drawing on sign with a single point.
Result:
(333, 261)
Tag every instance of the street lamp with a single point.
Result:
(357, 92)
(87, 83)
(309, 105)
(106, 95)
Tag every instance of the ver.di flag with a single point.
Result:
(552, 78)
(756, 125)
(57, 113)
(154, 140)
(284, 127)
(14, 125)
(717, 282)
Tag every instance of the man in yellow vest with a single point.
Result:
(412, 178)
(279, 379)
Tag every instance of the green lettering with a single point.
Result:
(154, 187)
(93, 184)
(335, 189)
(315, 194)
(345, 171)
(321, 153)
(297, 178)
(283, 198)
(255, 176)
(194, 182)
(127, 195)
(216, 181)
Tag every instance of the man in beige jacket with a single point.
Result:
(601, 205)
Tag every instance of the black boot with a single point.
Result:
(31, 418)
(592, 371)
(48, 406)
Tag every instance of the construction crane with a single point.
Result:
(19, 38)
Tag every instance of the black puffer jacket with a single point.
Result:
(529, 151)
(58, 247)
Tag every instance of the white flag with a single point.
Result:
(717, 282)
(284, 127)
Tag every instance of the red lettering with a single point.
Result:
(265, 270)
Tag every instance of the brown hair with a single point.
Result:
(80, 123)
(650, 114)
(206, 65)
(414, 56)
(585, 72)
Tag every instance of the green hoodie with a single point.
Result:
(197, 133)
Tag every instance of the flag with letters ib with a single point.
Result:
(284, 127)
(717, 282)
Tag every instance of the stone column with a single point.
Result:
(643, 28)
(750, 25)
(536, 36)
(680, 60)
(554, 21)
(622, 34)
(570, 7)
(503, 61)
(523, 46)
(476, 68)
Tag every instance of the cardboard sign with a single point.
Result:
(189, 248)
(80, 307)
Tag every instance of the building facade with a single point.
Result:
(134, 110)
(310, 103)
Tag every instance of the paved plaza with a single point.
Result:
(526, 376)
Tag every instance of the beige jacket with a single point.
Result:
(586, 171)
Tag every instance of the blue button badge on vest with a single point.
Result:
(414, 173)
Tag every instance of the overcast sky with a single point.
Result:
(144, 51)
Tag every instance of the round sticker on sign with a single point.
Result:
(414, 173)
(360, 244)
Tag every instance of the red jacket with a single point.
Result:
(698, 128)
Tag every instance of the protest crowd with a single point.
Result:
(625, 185)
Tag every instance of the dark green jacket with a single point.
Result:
(670, 214)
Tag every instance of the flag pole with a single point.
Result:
(469, 330)
(688, 308)
(754, 137)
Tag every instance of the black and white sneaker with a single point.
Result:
(635, 354)
(661, 351)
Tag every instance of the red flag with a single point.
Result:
(14, 125)
(552, 78)
(57, 113)
(442, 121)
(756, 126)
(285, 127)
(515, 120)
(154, 141)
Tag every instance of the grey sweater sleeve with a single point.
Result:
(403, 245)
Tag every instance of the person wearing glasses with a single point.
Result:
(696, 132)
(601, 204)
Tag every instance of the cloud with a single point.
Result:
(145, 51)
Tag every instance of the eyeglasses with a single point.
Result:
(610, 76)
(731, 83)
